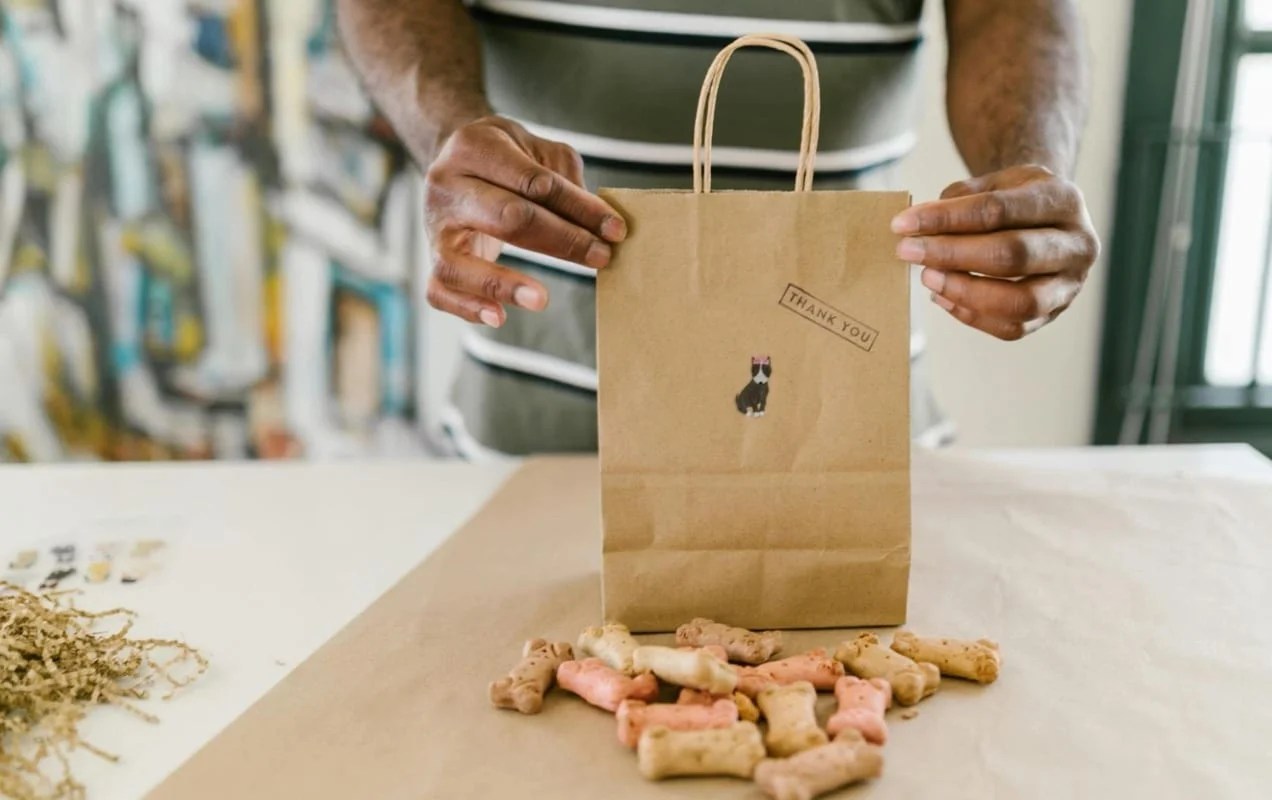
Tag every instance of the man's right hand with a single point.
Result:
(494, 182)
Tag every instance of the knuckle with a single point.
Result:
(993, 211)
(458, 146)
(445, 271)
(537, 184)
(471, 136)
(1025, 304)
(1011, 254)
(1069, 200)
(435, 192)
(577, 243)
(466, 134)
(492, 286)
(1090, 244)
(515, 216)
(1011, 332)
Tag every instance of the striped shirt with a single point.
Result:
(618, 80)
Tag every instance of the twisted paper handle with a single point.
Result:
(704, 120)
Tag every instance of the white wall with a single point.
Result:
(1041, 390)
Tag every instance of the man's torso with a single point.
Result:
(618, 80)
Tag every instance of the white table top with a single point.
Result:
(266, 562)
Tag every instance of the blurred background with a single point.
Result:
(210, 244)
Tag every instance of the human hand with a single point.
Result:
(1006, 252)
(495, 182)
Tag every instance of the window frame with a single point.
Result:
(1200, 413)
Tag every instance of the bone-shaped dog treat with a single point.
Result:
(664, 753)
(822, 769)
(861, 707)
(602, 685)
(815, 666)
(746, 708)
(693, 697)
(696, 669)
(866, 658)
(635, 716)
(611, 643)
(961, 658)
(714, 650)
(742, 645)
(524, 687)
(792, 718)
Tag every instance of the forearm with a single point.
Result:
(421, 62)
(1016, 83)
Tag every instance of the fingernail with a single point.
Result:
(614, 229)
(910, 250)
(490, 317)
(933, 279)
(598, 255)
(528, 297)
(943, 302)
(905, 222)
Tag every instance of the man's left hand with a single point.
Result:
(1006, 252)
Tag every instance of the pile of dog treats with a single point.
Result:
(729, 682)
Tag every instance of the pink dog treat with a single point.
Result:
(634, 716)
(602, 685)
(747, 709)
(815, 666)
(861, 707)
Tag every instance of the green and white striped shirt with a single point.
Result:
(618, 80)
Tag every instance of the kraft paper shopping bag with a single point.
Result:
(753, 353)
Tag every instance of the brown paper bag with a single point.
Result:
(753, 353)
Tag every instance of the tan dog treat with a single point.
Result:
(815, 666)
(693, 697)
(24, 560)
(634, 716)
(695, 669)
(861, 707)
(611, 643)
(714, 650)
(742, 645)
(664, 753)
(746, 708)
(823, 769)
(865, 657)
(603, 686)
(960, 658)
(525, 685)
(792, 718)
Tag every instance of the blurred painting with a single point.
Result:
(206, 238)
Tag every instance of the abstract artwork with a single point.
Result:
(208, 239)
